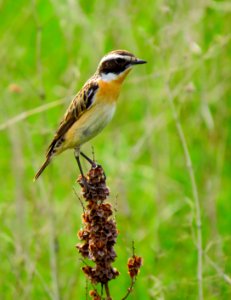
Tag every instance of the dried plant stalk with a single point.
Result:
(99, 234)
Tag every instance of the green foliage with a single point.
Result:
(47, 50)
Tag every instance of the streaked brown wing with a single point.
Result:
(83, 101)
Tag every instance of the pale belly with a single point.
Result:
(89, 125)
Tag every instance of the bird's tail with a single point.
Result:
(43, 167)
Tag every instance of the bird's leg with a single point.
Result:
(76, 153)
(86, 184)
(92, 162)
(94, 165)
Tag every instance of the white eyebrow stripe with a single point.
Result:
(114, 56)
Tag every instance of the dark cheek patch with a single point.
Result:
(112, 67)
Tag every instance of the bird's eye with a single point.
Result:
(119, 60)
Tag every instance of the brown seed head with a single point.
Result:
(134, 264)
(99, 232)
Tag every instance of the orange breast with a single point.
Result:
(109, 90)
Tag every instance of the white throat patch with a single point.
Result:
(109, 76)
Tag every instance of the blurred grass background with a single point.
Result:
(48, 49)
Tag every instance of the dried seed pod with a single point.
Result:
(134, 264)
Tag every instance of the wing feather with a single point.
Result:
(82, 102)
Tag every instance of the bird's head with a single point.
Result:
(116, 65)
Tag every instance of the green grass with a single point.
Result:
(50, 48)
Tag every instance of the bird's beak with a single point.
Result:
(139, 62)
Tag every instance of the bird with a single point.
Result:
(92, 108)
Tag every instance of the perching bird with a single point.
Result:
(93, 107)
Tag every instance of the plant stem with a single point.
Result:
(129, 289)
(107, 291)
(195, 196)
